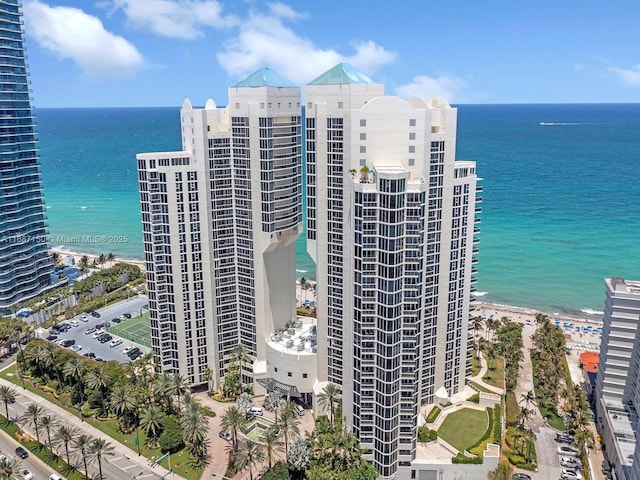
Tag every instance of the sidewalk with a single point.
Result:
(483, 371)
(86, 427)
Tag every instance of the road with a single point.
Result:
(132, 306)
(125, 464)
(8, 445)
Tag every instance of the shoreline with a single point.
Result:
(497, 309)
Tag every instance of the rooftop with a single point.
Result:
(264, 77)
(342, 73)
(624, 424)
(298, 337)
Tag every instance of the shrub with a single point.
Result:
(171, 438)
(426, 435)
(479, 446)
(433, 414)
(512, 408)
(475, 398)
(461, 458)
(514, 458)
(207, 411)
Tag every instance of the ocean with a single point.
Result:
(559, 210)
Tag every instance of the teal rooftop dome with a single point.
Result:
(341, 73)
(264, 77)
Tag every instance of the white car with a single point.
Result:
(115, 342)
(3, 458)
(75, 348)
(127, 349)
(74, 322)
(567, 451)
(98, 333)
(84, 318)
(25, 474)
(569, 473)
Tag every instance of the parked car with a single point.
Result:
(562, 438)
(22, 453)
(133, 352)
(135, 356)
(74, 323)
(299, 410)
(226, 436)
(90, 330)
(95, 314)
(67, 342)
(116, 320)
(126, 315)
(90, 355)
(55, 476)
(75, 348)
(99, 333)
(115, 342)
(571, 474)
(105, 338)
(52, 338)
(99, 325)
(83, 318)
(521, 476)
(127, 349)
(567, 451)
(25, 474)
(255, 411)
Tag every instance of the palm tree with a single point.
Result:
(245, 401)
(48, 422)
(330, 394)
(9, 469)
(53, 362)
(271, 442)
(525, 414)
(194, 425)
(33, 416)
(74, 370)
(232, 420)
(97, 379)
(7, 396)
(81, 445)
(477, 323)
(99, 448)
(122, 402)
(249, 454)
(274, 403)
(288, 427)
(240, 356)
(63, 436)
(528, 398)
(151, 421)
(177, 387)
(83, 265)
(38, 356)
(110, 258)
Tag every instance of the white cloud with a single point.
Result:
(630, 76)
(445, 86)
(174, 18)
(264, 39)
(285, 11)
(71, 33)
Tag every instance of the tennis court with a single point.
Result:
(136, 329)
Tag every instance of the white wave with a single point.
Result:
(590, 311)
(301, 271)
(479, 294)
(83, 207)
(48, 207)
(553, 124)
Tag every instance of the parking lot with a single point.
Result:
(82, 324)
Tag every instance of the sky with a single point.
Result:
(130, 53)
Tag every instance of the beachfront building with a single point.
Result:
(390, 224)
(25, 262)
(618, 378)
(220, 220)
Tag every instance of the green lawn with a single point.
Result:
(464, 428)
(495, 375)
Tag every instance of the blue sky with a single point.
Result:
(85, 53)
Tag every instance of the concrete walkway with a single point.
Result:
(483, 371)
(138, 463)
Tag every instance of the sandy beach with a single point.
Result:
(77, 256)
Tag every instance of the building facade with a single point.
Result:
(618, 377)
(390, 224)
(25, 262)
(220, 221)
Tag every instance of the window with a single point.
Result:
(412, 162)
(237, 105)
(412, 136)
(412, 122)
(363, 162)
(305, 375)
(412, 149)
(363, 136)
(363, 122)
(289, 374)
(363, 149)
(340, 105)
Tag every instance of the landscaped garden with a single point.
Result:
(464, 428)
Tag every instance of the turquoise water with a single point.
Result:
(559, 202)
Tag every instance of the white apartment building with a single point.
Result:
(220, 220)
(390, 224)
(618, 378)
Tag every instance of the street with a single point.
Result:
(124, 464)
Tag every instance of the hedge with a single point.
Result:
(513, 409)
(461, 458)
(433, 414)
